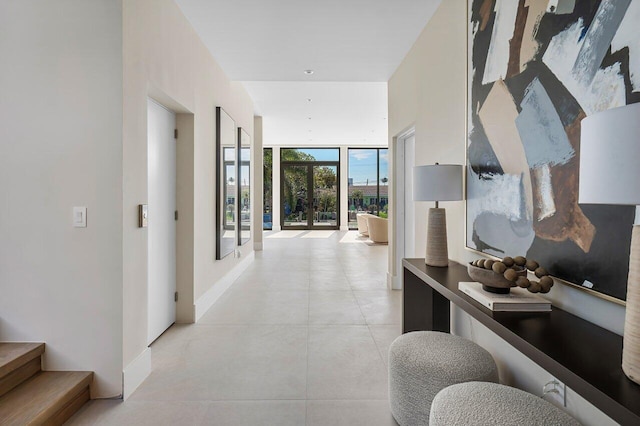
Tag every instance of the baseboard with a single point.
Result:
(394, 282)
(207, 300)
(257, 246)
(135, 373)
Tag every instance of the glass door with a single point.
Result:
(310, 196)
(295, 203)
(325, 196)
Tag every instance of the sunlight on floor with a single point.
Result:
(318, 234)
(353, 237)
(285, 234)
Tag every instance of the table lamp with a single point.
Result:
(439, 182)
(610, 174)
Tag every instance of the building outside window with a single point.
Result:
(368, 183)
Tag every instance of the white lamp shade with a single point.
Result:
(439, 182)
(610, 157)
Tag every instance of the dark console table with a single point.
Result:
(584, 356)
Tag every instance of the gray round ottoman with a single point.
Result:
(485, 404)
(422, 363)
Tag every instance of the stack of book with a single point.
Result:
(518, 300)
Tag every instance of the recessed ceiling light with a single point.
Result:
(308, 72)
(309, 99)
(308, 118)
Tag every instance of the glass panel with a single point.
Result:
(230, 197)
(363, 183)
(294, 201)
(325, 195)
(383, 204)
(310, 154)
(244, 186)
(229, 155)
(226, 190)
(267, 212)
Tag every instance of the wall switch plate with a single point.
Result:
(554, 391)
(143, 215)
(79, 217)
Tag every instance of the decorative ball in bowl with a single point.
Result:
(498, 276)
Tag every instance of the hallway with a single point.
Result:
(300, 338)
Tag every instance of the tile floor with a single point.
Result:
(301, 338)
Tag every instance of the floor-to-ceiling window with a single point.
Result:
(267, 211)
(368, 182)
(309, 184)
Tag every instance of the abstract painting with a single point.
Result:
(536, 68)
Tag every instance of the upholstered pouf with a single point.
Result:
(486, 404)
(422, 363)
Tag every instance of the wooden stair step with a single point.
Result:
(18, 362)
(49, 397)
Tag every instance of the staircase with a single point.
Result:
(30, 396)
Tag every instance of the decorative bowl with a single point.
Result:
(491, 281)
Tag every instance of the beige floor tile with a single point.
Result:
(234, 362)
(152, 413)
(334, 307)
(349, 413)
(344, 363)
(287, 344)
(256, 413)
(384, 335)
(259, 307)
(329, 282)
(368, 283)
(380, 306)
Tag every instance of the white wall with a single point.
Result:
(61, 146)
(71, 138)
(428, 91)
(163, 57)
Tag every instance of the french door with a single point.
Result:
(310, 195)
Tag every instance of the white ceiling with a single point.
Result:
(339, 113)
(269, 43)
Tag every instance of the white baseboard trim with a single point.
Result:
(394, 282)
(135, 373)
(257, 246)
(207, 300)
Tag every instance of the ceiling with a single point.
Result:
(269, 44)
(318, 114)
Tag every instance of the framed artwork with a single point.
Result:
(226, 184)
(244, 186)
(535, 70)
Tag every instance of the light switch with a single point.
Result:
(79, 217)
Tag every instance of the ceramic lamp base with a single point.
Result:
(437, 251)
(631, 345)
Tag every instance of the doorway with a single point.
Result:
(161, 188)
(310, 194)
(404, 222)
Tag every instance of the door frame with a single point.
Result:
(151, 338)
(309, 165)
(399, 204)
